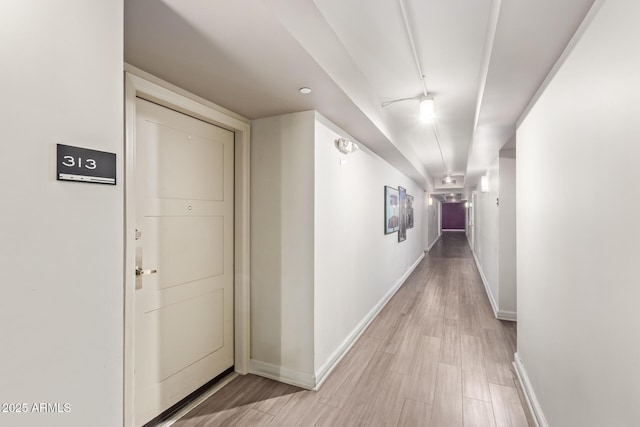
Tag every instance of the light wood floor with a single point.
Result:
(435, 356)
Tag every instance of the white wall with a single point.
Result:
(321, 264)
(578, 257)
(356, 264)
(282, 239)
(507, 232)
(486, 233)
(494, 243)
(61, 245)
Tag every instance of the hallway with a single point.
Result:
(434, 356)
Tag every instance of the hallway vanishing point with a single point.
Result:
(435, 356)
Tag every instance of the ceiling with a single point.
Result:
(449, 197)
(483, 61)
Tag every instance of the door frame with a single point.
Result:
(141, 84)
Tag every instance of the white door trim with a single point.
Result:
(141, 84)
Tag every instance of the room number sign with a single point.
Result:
(83, 165)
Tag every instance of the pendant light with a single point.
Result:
(427, 108)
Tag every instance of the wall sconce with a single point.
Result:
(430, 201)
(484, 184)
(346, 146)
(466, 204)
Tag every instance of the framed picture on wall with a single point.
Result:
(409, 211)
(391, 210)
(402, 231)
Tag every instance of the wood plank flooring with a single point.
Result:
(434, 356)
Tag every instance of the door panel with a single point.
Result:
(202, 237)
(193, 343)
(191, 165)
(184, 212)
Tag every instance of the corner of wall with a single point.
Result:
(282, 374)
(282, 248)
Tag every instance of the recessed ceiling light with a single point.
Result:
(305, 90)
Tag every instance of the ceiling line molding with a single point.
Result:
(492, 27)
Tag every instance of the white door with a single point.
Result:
(184, 219)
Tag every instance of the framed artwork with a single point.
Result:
(402, 231)
(391, 210)
(409, 211)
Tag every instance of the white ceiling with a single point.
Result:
(376, 38)
(483, 61)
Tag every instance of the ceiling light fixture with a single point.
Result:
(427, 109)
(427, 103)
(448, 179)
(305, 90)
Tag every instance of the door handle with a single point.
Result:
(141, 272)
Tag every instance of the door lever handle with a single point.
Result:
(141, 272)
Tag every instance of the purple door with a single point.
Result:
(453, 216)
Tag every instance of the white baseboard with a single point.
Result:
(500, 314)
(485, 282)
(312, 382)
(434, 242)
(281, 374)
(511, 316)
(349, 341)
(529, 393)
(455, 230)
